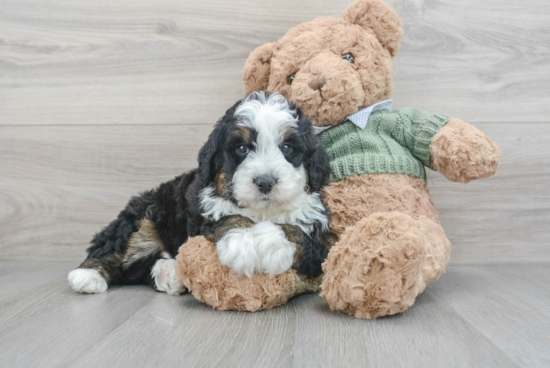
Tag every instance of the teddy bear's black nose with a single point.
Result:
(317, 81)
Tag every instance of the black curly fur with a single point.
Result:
(167, 207)
(314, 252)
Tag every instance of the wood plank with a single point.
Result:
(507, 305)
(29, 282)
(430, 334)
(475, 316)
(145, 62)
(481, 61)
(303, 333)
(55, 326)
(62, 184)
(504, 218)
(21, 279)
(181, 331)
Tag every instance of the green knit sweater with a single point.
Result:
(393, 142)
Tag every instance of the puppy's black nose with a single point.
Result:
(265, 183)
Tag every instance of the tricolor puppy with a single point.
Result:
(257, 194)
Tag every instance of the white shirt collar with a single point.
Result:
(361, 117)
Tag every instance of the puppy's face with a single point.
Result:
(263, 154)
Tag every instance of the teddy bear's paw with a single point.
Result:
(236, 250)
(463, 153)
(275, 252)
(87, 281)
(164, 275)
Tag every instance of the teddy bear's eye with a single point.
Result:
(349, 57)
(290, 79)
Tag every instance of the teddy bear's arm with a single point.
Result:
(414, 130)
(463, 153)
(450, 146)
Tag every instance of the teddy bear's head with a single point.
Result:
(331, 67)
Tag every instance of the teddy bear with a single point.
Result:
(387, 243)
(387, 240)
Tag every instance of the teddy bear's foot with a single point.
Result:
(380, 265)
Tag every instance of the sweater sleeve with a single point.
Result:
(414, 129)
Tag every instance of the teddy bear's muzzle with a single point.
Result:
(328, 89)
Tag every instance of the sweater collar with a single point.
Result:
(361, 117)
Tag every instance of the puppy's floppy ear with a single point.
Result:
(211, 154)
(318, 169)
(379, 18)
(210, 160)
(318, 161)
(257, 68)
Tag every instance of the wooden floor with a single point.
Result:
(475, 316)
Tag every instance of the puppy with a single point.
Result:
(257, 194)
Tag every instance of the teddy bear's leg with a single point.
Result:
(382, 263)
(438, 249)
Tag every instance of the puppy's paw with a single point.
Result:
(164, 274)
(87, 281)
(275, 252)
(237, 251)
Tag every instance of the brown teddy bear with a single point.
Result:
(388, 243)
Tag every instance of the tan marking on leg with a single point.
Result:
(95, 264)
(143, 243)
(294, 235)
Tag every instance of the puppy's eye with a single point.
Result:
(242, 150)
(349, 57)
(286, 149)
(290, 79)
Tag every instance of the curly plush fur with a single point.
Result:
(387, 241)
(316, 48)
(218, 286)
(463, 153)
(393, 214)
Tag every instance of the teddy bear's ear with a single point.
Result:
(257, 68)
(377, 17)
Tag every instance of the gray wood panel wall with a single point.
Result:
(100, 100)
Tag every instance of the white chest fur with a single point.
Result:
(303, 211)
